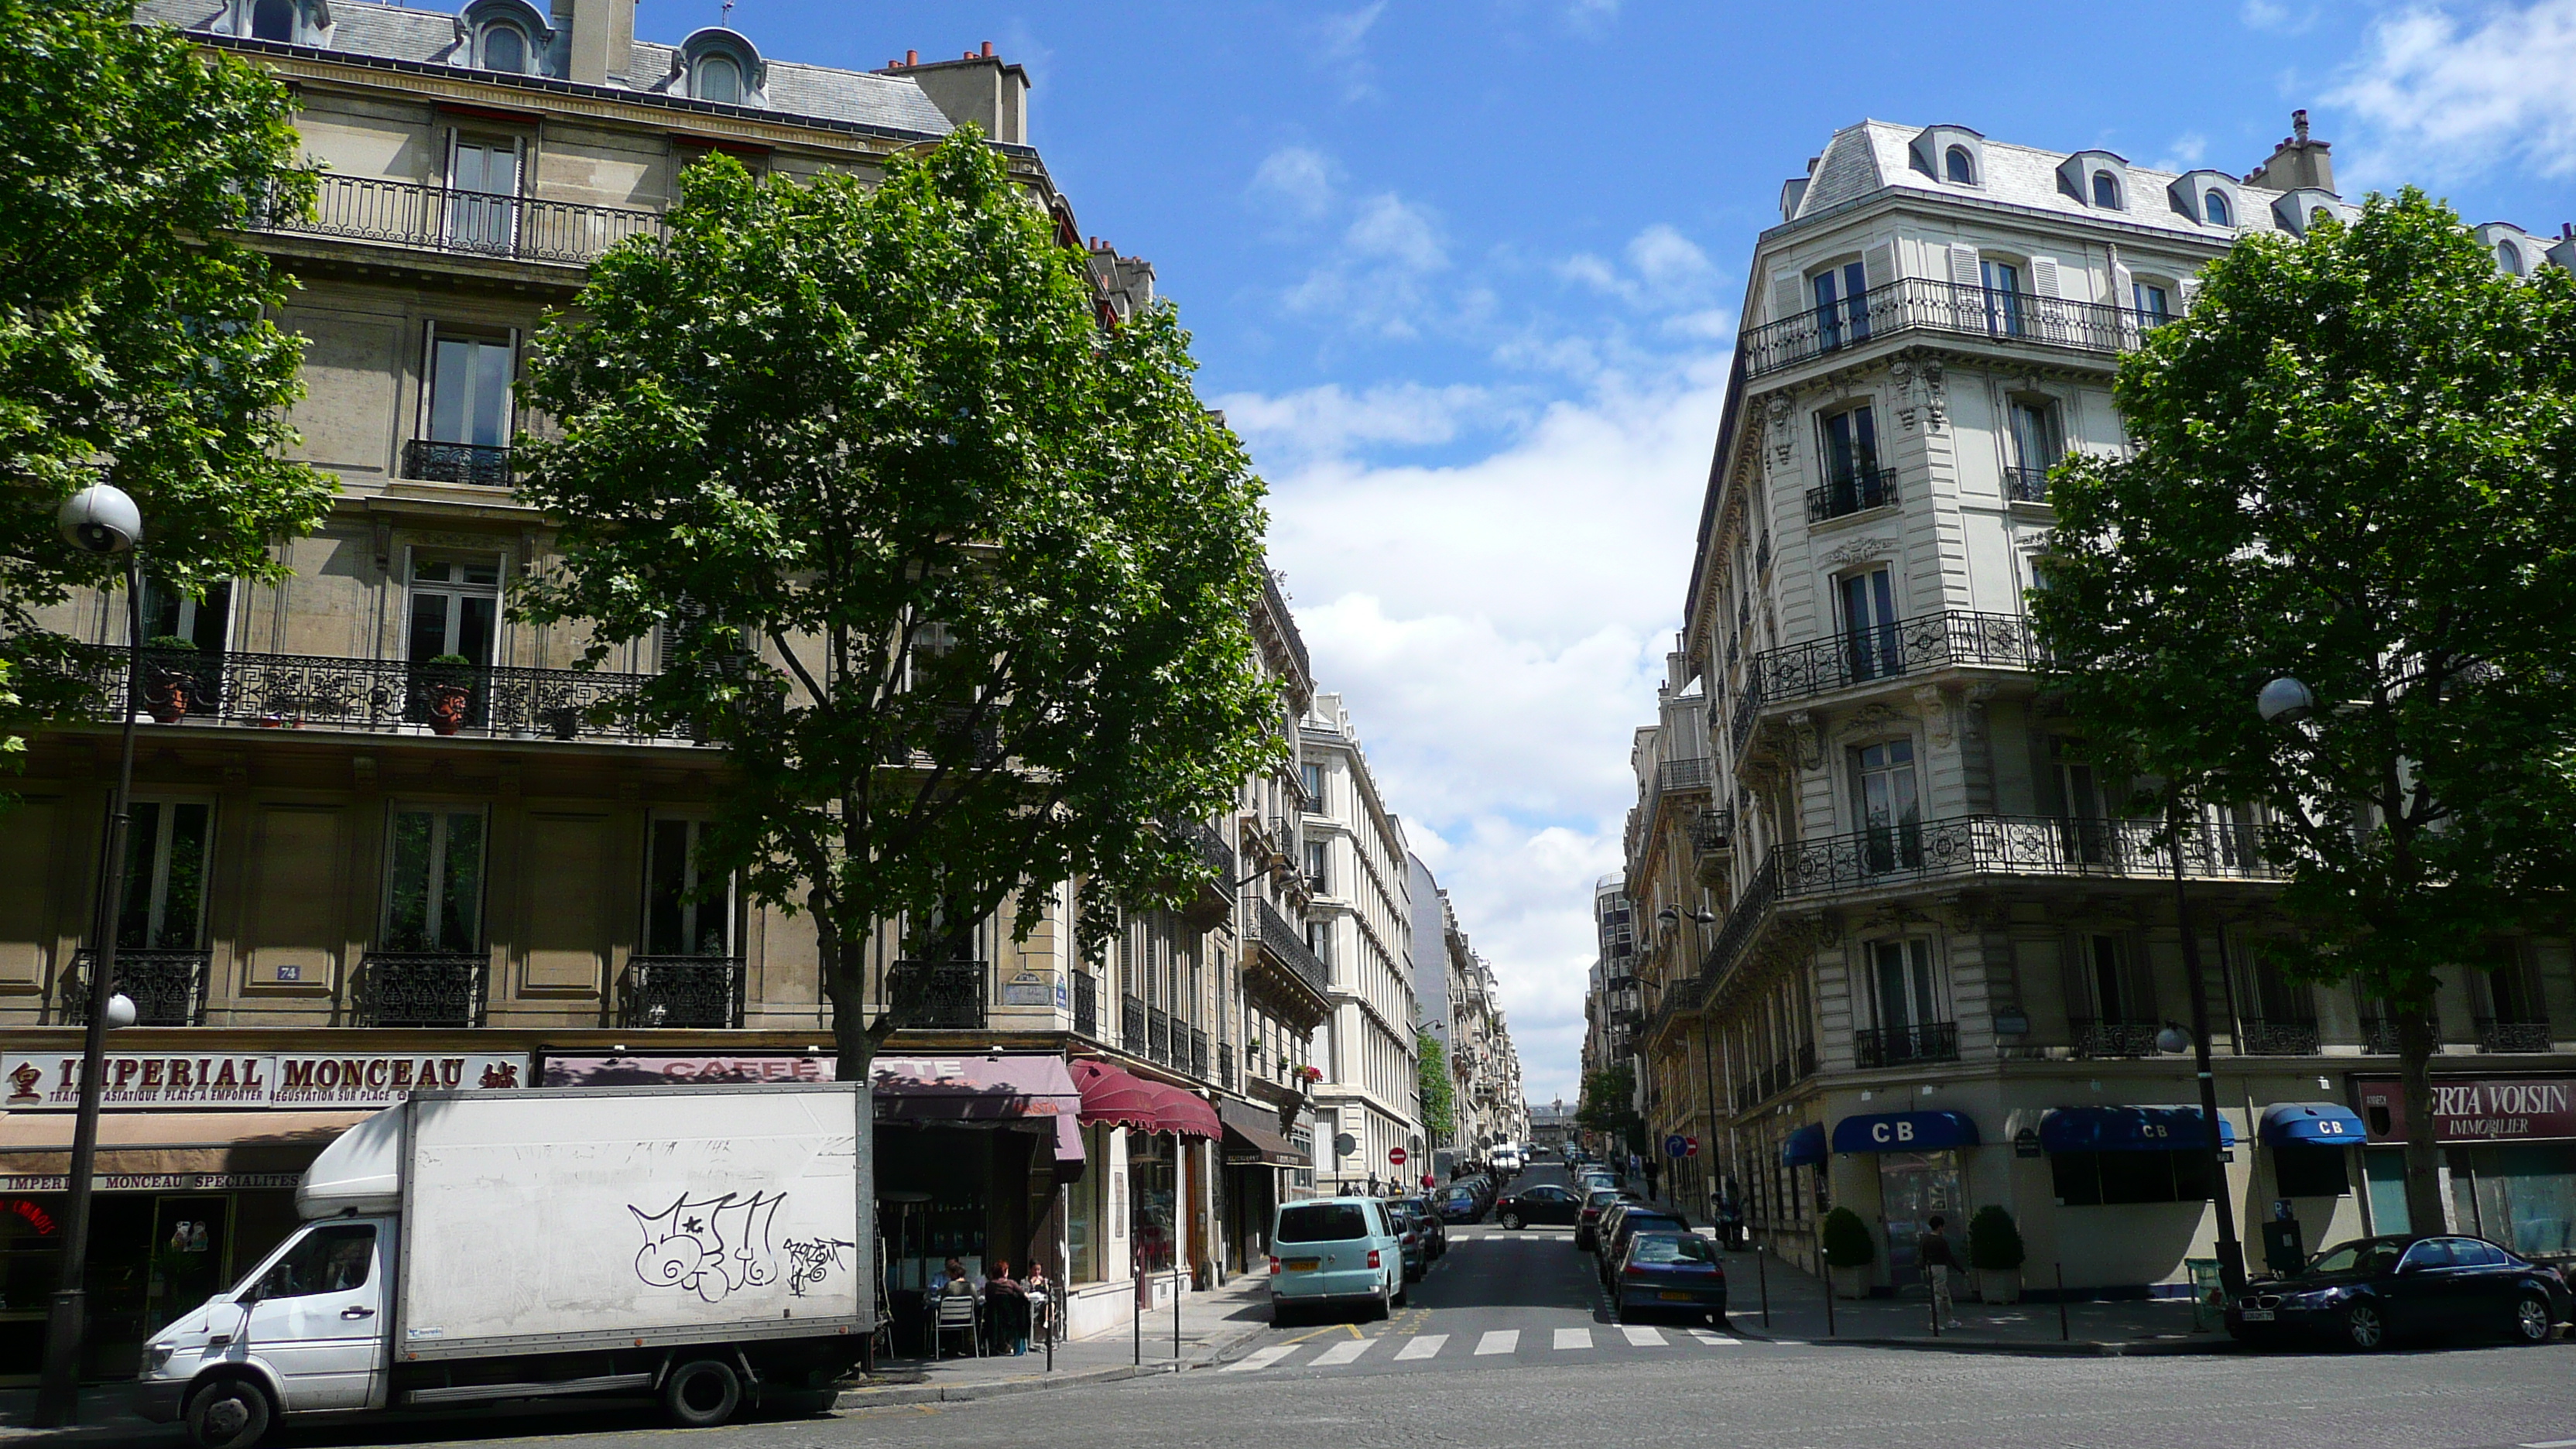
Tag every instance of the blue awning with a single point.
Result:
(1805, 1147)
(1905, 1132)
(2327, 1124)
(2129, 1129)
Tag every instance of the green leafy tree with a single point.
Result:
(135, 345)
(1608, 1106)
(2355, 464)
(1439, 1095)
(960, 579)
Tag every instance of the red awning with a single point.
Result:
(1110, 1095)
(1184, 1112)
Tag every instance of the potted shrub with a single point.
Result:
(1995, 1250)
(168, 682)
(1848, 1250)
(447, 684)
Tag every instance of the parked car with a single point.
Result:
(1545, 1203)
(1460, 1204)
(2364, 1292)
(1587, 1221)
(1633, 1219)
(1598, 1177)
(1435, 1234)
(1661, 1272)
(1335, 1252)
(1408, 1234)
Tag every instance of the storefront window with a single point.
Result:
(2301, 1169)
(1154, 1199)
(2102, 1179)
(1081, 1214)
(2522, 1196)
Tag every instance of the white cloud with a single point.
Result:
(1391, 228)
(2184, 154)
(1342, 34)
(1497, 629)
(1294, 180)
(2441, 95)
(1664, 269)
(2277, 17)
(1373, 280)
(1301, 428)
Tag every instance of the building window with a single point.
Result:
(455, 608)
(1319, 939)
(1903, 985)
(483, 186)
(505, 48)
(165, 876)
(2307, 1169)
(170, 614)
(2100, 1179)
(469, 391)
(2151, 301)
(273, 20)
(2217, 209)
(434, 884)
(2509, 257)
(1853, 480)
(1884, 801)
(1842, 306)
(2038, 443)
(1869, 624)
(2106, 190)
(716, 78)
(682, 916)
(1311, 776)
(2115, 982)
(2003, 297)
(1316, 854)
(1959, 168)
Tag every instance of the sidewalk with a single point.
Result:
(1211, 1323)
(2085, 1329)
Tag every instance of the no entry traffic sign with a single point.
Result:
(1396, 1155)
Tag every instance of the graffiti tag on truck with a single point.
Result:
(808, 1259)
(710, 1246)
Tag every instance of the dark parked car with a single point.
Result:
(1664, 1272)
(1545, 1203)
(1409, 1234)
(1587, 1221)
(1435, 1234)
(1632, 1220)
(1460, 1204)
(2364, 1292)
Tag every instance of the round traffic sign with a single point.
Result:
(1344, 1144)
(1690, 1147)
(1676, 1145)
(1396, 1155)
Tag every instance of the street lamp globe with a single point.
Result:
(120, 1011)
(2285, 700)
(2173, 1039)
(100, 519)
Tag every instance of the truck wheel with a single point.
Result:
(701, 1393)
(229, 1413)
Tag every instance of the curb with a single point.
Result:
(2081, 1348)
(907, 1394)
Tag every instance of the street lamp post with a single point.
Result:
(99, 519)
(2231, 1253)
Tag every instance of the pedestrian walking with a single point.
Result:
(1932, 1251)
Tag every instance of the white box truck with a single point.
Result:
(701, 1244)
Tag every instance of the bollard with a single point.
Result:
(1176, 1318)
(1762, 1278)
(2063, 1333)
(1933, 1297)
(1828, 1275)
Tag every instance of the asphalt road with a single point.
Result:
(1563, 1373)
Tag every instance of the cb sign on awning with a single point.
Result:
(1905, 1132)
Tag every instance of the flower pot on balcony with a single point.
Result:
(165, 696)
(449, 706)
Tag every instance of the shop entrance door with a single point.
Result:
(189, 1239)
(1912, 1186)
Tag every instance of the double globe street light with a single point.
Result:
(102, 520)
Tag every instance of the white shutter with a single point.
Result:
(2190, 291)
(2043, 276)
(1963, 266)
(1878, 264)
(2124, 286)
(1788, 295)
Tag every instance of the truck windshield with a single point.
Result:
(326, 1260)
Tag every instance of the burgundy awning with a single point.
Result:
(1185, 1113)
(1111, 1096)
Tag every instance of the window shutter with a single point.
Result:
(1878, 264)
(2043, 276)
(1964, 271)
(2190, 291)
(2124, 286)
(1788, 295)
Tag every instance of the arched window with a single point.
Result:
(716, 78)
(505, 48)
(2509, 257)
(2217, 210)
(273, 20)
(2106, 190)
(1960, 168)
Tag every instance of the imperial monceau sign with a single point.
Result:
(50, 1081)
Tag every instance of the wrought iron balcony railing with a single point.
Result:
(1278, 603)
(1852, 492)
(1713, 833)
(2493, 1035)
(434, 462)
(1744, 921)
(676, 991)
(1948, 639)
(1923, 304)
(1158, 1035)
(1198, 1051)
(474, 223)
(1896, 1046)
(2113, 1038)
(420, 988)
(2026, 485)
(1131, 1034)
(1086, 1004)
(1212, 848)
(1902, 853)
(1225, 1065)
(939, 995)
(168, 988)
(2259, 1038)
(1282, 940)
(301, 691)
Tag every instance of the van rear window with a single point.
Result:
(1322, 1222)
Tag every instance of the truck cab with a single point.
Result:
(305, 1326)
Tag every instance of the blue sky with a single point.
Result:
(1465, 276)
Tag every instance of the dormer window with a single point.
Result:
(273, 20)
(505, 48)
(716, 78)
(2106, 191)
(1957, 167)
(2509, 258)
(2214, 207)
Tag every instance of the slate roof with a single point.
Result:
(1872, 156)
(434, 37)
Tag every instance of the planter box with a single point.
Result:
(1849, 1282)
(1999, 1285)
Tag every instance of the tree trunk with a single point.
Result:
(2415, 1044)
(854, 1045)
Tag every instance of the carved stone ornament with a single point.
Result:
(1871, 719)
(1936, 714)
(1936, 399)
(1902, 370)
(1780, 411)
(1859, 551)
(1806, 741)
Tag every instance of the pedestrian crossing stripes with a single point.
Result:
(1417, 1347)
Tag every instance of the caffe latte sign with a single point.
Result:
(50, 1081)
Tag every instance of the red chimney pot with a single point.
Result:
(988, 47)
(912, 57)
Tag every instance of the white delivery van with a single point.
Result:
(701, 1244)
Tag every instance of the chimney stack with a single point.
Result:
(2297, 162)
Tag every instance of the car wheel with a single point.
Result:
(1510, 1221)
(701, 1393)
(2363, 1329)
(2531, 1322)
(1403, 1296)
(229, 1413)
